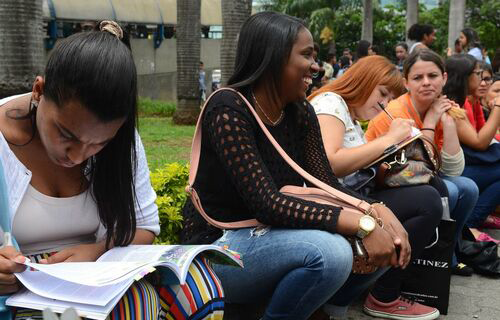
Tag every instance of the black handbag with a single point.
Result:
(481, 256)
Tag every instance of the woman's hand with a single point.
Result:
(380, 248)
(398, 233)
(400, 129)
(10, 261)
(493, 102)
(438, 107)
(448, 121)
(81, 253)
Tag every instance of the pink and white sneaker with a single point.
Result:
(492, 222)
(401, 308)
(484, 237)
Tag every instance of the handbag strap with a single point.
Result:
(195, 159)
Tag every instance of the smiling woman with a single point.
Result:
(301, 262)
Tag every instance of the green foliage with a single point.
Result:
(345, 18)
(169, 184)
(388, 29)
(484, 17)
(148, 107)
(347, 28)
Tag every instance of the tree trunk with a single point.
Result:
(234, 13)
(188, 60)
(21, 45)
(456, 21)
(411, 15)
(367, 27)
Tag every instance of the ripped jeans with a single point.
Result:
(294, 271)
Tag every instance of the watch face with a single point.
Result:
(367, 223)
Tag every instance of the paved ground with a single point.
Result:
(473, 297)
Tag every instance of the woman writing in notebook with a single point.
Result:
(76, 171)
(359, 95)
(425, 77)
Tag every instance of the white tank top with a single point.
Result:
(47, 224)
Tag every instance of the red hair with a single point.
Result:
(357, 84)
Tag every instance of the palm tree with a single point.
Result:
(456, 20)
(21, 45)
(188, 60)
(234, 13)
(411, 15)
(367, 27)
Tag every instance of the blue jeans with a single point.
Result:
(487, 178)
(294, 271)
(462, 198)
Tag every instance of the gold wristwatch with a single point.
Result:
(366, 226)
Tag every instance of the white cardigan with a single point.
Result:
(18, 178)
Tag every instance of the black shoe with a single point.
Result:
(462, 270)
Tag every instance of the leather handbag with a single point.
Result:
(415, 163)
(322, 193)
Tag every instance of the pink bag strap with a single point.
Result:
(195, 159)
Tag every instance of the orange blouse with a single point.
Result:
(400, 108)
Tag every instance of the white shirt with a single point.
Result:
(18, 178)
(332, 104)
(476, 53)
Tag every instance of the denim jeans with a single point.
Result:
(463, 194)
(295, 271)
(487, 178)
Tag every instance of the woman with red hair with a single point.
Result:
(340, 105)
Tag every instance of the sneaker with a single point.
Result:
(401, 308)
(462, 270)
(492, 222)
(484, 237)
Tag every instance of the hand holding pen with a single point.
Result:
(400, 129)
(11, 261)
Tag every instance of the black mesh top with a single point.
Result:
(240, 172)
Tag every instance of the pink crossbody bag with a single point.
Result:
(323, 193)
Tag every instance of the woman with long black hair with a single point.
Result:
(301, 261)
(469, 40)
(465, 77)
(77, 176)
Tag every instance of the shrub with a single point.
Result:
(170, 182)
(148, 108)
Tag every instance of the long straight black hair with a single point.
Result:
(459, 67)
(264, 46)
(97, 70)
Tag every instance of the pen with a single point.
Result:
(383, 109)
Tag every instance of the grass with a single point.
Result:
(149, 108)
(165, 142)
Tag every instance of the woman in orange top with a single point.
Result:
(358, 94)
(425, 76)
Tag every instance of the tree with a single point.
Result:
(234, 13)
(367, 28)
(21, 45)
(456, 20)
(188, 60)
(411, 15)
